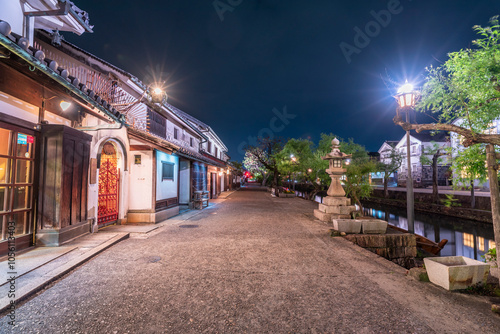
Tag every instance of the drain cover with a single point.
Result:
(188, 226)
(153, 259)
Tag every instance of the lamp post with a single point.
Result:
(406, 98)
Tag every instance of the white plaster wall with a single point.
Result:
(141, 182)
(116, 136)
(17, 108)
(166, 188)
(12, 13)
(185, 181)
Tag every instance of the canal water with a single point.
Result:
(465, 237)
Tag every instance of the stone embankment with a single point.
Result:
(423, 202)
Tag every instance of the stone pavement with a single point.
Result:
(253, 264)
(37, 267)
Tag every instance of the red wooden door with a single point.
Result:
(109, 177)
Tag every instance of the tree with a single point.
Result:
(396, 159)
(253, 165)
(295, 158)
(264, 153)
(468, 166)
(467, 86)
(435, 152)
(357, 181)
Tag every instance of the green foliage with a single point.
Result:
(396, 159)
(490, 256)
(450, 201)
(483, 290)
(466, 85)
(357, 182)
(430, 151)
(469, 164)
(301, 150)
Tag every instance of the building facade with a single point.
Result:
(421, 144)
(85, 144)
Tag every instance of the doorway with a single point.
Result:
(109, 181)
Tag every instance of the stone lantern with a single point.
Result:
(335, 169)
(335, 205)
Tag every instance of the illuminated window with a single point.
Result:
(480, 244)
(468, 240)
(491, 244)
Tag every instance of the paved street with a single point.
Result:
(252, 264)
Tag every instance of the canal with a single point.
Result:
(465, 237)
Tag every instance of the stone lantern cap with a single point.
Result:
(335, 153)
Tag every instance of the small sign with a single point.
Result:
(93, 171)
(30, 139)
(22, 139)
(137, 159)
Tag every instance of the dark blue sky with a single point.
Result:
(268, 54)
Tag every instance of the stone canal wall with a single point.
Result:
(400, 248)
(462, 201)
(423, 204)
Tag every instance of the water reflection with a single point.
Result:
(465, 237)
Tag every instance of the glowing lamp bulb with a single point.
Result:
(65, 105)
(406, 88)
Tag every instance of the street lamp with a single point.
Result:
(406, 98)
(157, 95)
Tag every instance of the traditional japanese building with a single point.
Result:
(83, 143)
(421, 144)
(44, 160)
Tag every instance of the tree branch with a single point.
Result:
(470, 137)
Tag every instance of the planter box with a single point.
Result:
(286, 195)
(456, 272)
(373, 226)
(347, 225)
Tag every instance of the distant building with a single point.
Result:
(422, 173)
(384, 153)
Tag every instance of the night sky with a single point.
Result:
(269, 54)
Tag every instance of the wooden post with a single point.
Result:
(494, 194)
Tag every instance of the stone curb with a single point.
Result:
(38, 284)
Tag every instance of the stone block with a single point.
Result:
(378, 241)
(336, 201)
(339, 216)
(374, 226)
(329, 208)
(346, 210)
(411, 251)
(456, 272)
(323, 216)
(347, 225)
(395, 252)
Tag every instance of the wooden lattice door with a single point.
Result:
(109, 180)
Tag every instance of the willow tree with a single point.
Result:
(468, 166)
(467, 87)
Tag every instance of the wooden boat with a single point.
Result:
(424, 243)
